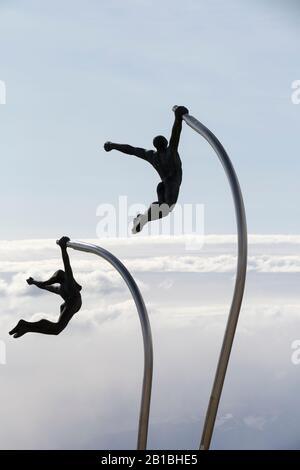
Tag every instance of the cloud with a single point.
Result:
(223, 419)
(95, 366)
(166, 284)
(42, 257)
(196, 263)
(255, 422)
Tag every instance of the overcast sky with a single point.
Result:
(79, 73)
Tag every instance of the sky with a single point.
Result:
(76, 75)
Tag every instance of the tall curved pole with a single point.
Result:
(239, 282)
(146, 331)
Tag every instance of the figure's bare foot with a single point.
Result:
(138, 223)
(19, 330)
(30, 281)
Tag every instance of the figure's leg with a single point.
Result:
(167, 197)
(160, 190)
(57, 278)
(171, 194)
(153, 213)
(44, 326)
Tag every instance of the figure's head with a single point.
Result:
(160, 142)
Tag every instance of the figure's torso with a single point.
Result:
(70, 292)
(168, 165)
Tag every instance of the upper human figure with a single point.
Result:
(166, 161)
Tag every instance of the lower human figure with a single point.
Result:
(63, 284)
(166, 161)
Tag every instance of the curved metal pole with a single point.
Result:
(146, 331)
(239, 282)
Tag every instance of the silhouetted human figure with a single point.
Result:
(67, 288)
(167, 163)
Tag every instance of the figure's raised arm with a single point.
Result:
(63, 245)
(128, 149)
(177, 127)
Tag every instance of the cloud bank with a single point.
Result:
(82, 388)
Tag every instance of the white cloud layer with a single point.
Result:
(94, 367)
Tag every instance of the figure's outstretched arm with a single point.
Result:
(177, 127)
(128, 149)
(68, 270)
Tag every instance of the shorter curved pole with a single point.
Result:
(146, 332)
(239, 282)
